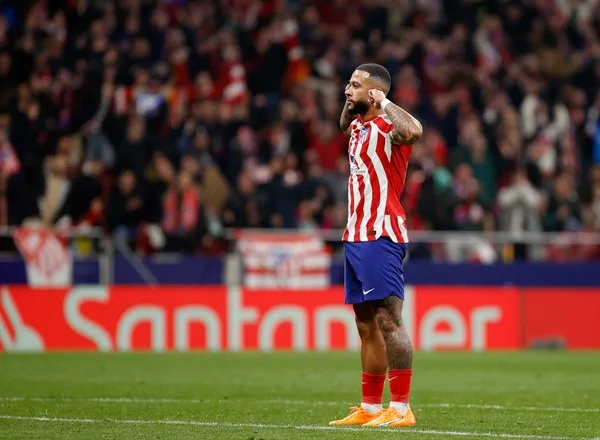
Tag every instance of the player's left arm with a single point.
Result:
(407, 129)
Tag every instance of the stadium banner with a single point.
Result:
(48, 260)
(284, 260)
(215, 318)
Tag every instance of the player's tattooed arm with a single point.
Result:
(407, 130)
(345, 120)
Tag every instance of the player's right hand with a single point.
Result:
(376, 96)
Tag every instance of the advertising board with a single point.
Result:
(128, 318)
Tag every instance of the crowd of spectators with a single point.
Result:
(167, 121)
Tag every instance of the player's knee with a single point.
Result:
(388, 324)
(394, 333)
(366, 329)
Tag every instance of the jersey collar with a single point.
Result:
(362, 121)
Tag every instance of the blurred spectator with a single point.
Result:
(9, 162)
(337, 181)
(245, 207)
(520, 205)
(56, 188)
(595, 205)
(563, 211)
(125, 207)
(160, 175)
(469, 212)
(327, 142)
(84, 205)
(183, 221)
(134, 151)
(476, 154)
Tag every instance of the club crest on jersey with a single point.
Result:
(354, 168)
(364, 132)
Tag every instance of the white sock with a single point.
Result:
(401, 407)
(371, 408)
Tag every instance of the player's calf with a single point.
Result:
(399, 354)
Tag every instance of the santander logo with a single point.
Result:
(228, 327)
(230, 318)
(182, 319)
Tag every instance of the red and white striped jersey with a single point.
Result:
(377, 175)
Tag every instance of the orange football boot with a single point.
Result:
(357, 416)
(391, 417)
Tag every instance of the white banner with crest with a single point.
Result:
(284, 260)
(48, 260)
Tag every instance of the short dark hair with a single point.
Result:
(379, 73)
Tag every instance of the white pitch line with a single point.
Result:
(298, 427)
(136, 400)
(508, 407)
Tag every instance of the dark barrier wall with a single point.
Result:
(12, 271)
(171, 270)
(209, 270)
(517, 274)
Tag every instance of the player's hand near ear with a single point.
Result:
(407, 130)
(376, 96)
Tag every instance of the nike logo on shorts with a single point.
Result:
(366, 292)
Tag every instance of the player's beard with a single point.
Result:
(359, 108)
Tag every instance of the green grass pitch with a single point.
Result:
(522, 395)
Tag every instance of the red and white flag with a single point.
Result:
(48, 261)
(284, 260)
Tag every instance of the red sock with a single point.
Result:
(400, 385)
(372, 387)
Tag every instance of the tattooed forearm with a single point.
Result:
(407, 130)
(345, 119)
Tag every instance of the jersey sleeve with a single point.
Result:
(387, 128)
(393, 142)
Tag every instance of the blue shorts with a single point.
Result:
(373, 270)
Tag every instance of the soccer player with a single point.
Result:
(381, 137)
